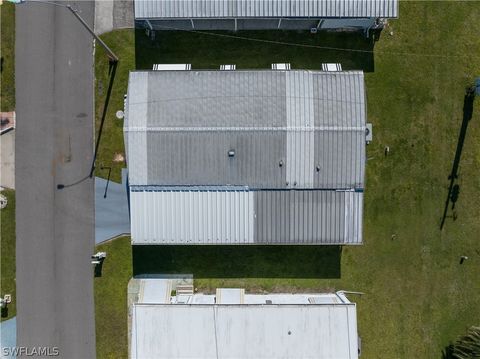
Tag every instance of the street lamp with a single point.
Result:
(111, 54)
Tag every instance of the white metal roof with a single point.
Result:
(326, 331)
(151, 9)
(240, 216)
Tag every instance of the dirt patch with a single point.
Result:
(118, 157)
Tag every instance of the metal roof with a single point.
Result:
(289, 129)
(150, 9)
(202, 331)
(240, 216)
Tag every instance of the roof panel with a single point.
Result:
(221, 331)
(155, 9)
(289, 129)
(179, 215)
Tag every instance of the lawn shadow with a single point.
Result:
(4, 312)
(239, 261)
(255, 49)
(454, 189)
(448, 352)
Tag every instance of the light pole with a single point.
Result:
(111, 55)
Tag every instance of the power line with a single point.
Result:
(332, 48)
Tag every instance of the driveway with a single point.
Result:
(8, 335)
(7, 160)
(112, 15)
(111, 212)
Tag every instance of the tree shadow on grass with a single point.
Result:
(255, 49)
(239, 261)
(448, 352)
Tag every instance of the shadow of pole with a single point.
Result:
(112, 70)
(454, 188)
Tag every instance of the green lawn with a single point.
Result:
(111, 299)
(111, 144)
(7, 54)
(7, 252)
(418, 298)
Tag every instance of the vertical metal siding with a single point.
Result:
(192, 217)
(244, 217)
(145, 9)
(308, 217)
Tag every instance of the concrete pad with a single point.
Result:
(123, 14)
(8, 335)
(103, 16)
(112, 15)
(111, 213)
(7, 160)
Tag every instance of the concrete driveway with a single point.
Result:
(112, 15)
(7, 160)
(111, 212)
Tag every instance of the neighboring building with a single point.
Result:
(246, 157)
(233, 324)
(236, 15)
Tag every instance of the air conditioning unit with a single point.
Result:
(369, 133)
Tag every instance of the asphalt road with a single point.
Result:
(54, 145)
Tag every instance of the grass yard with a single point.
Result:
(418, 298)
(111, 144)
(7, 57)
(7, 252)
(111, 299)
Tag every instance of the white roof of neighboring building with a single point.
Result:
(150, 9)
(292, 326)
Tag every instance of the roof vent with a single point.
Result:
(317, 168)
(228, 67)
(283, 66)
(332, 67)
(171, 67)
(280, 164)
(231, 153)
